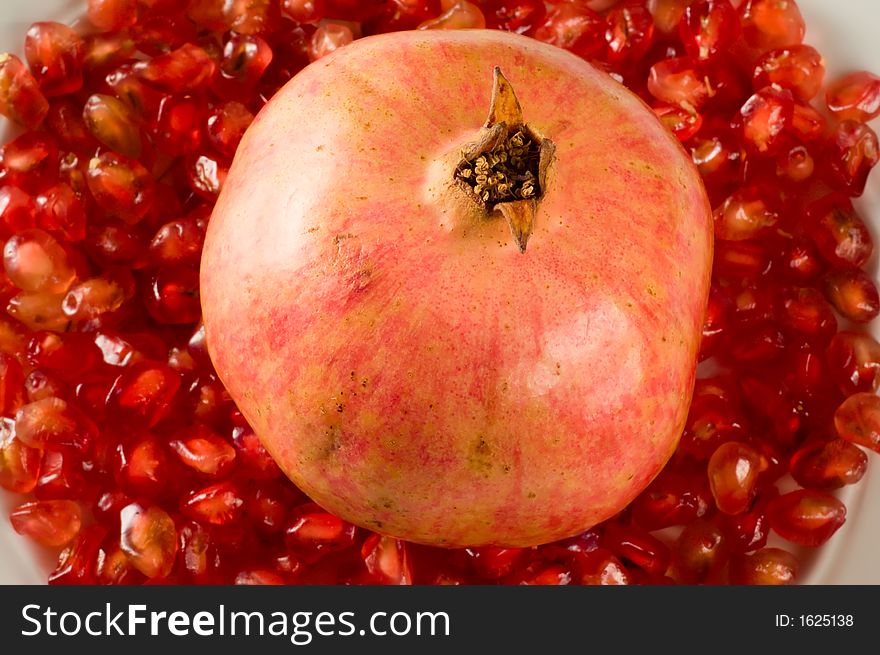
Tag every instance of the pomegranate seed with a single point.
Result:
(17, 210)
(673, 498)
(603, 568)
(115, 568)
(55, 55)
(828, 465)
(38, 310)
(149, 538)
(629, 32)
(708, 28)
(77, 564)
(853, 294)
(800, 261)
(141, 467)
(39, 385)
(492, 562)
(764, 119)
(50, 523)
(208, 14)
(70, 356)
(19, 463)
(185, 70)
(198, 553)
(806, 517)
(798, 68)
(748, 531)
(744, 215)
(173, 296)
(92, 298)
(267, 508)
(682, 123)
(178, 125)
(699, 553)
(111, 123)
(849, 154)
(112, 15)
(203, 451)
(218, 504)
(733, 476)
(142, 100)
(104, 50)
(519, 16)
(206, 174)
(461, 15)
(854, 97)
(637, 546)
(555, 574)
(327, 38)
(253, 456)
(51, 421)
(768, 24)
(30, 161)
(838, 231)
(575, 27)
(144, 391)
(305, 11)
(312, 533)
(61, 212)
(854, 361)
(858, 420)
(387, 560)
(122, 187)
(768, 566)
(159, 34)
(34, 261)
(258, 577)
(678, 82)
(21, 100)
(252, 16)
(226, 125)
(805, 311)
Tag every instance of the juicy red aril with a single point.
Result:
(745, 215)
(21, 100)
(312, 533)
(637, 546)
(493, 562)
(245, 59)
(110, 121)
(857, 420)
(748, 531)
(71, 356)
(252, 456)
(305, 11)
(327, 38)
(252, 16)
(519, 16)
(30, 161)
(112, 15)
(77, 564)
(678, 82)
(178, 127)
(805, 311)
(768, 566)
(387, 560)
(219, 504)
(144, 391)
(854, 361)
(798, 68)
(699, 553)
(149, 538)
(838, 232)
(575, 27)
(172, 296)
(764, 119)
(260, 577)
(849, 153)
(733, 476)
(160, 33)
(682, 123)
(854, 97)
(462, 15)
(34, 261)
(806, 517)
(828, 465)
(19, 463)
(17, 210)
(50, 523)
(206, 174)
(186, 69)
(93, 297)
(11, 384)
(853, 294)
(51, 421)
(55, 55)
(770, 24)
(708, 28)
(226, 125)
(628, 35)
(60, 211)
(203, 451)
(122, 187)
(141, 466)
(398, 15)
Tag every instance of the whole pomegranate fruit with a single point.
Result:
(455, 335)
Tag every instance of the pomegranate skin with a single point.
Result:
(402, 361)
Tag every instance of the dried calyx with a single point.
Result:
(505, 169)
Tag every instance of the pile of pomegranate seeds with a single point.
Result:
(136, 462)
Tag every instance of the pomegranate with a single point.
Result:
(452, 335)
